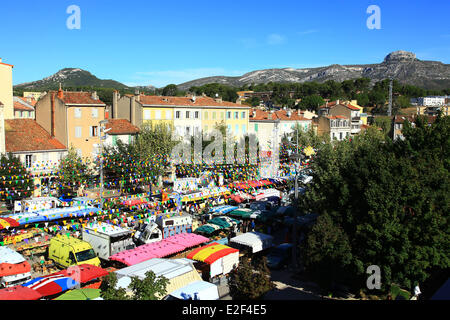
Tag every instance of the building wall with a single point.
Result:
(44, 117)
(6, 90)
(111, 140)
(85, 144)
(19, 114)
(158, 115)
(35, 95)
(213, 117)
(2, 131)
(239, 122)
(263, 130)
(180, 124)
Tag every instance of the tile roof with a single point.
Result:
(21, 105)
(186, 101)
(277, 115)
(121, 126)
(78, 97)
(333, 104)
(30, 101)
(27, 135)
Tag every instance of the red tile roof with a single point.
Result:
(186, 101)
(22, 107)
(78, 97)
(121, 126)
(30, 101)
(333, 104)
(277, 115)
(27, 135)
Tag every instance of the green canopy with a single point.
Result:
(80, 294)
(243, 213)
(208, 228)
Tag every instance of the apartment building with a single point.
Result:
(73, 118)
(186, 115)
(337, 127)
(346, 110)
(23, 109)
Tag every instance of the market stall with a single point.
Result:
(252, 241)
(220, 258)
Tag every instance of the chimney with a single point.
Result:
(60, 92)
(114, 104)
(94, 95)
(132, 107)
(337, 101)
(299, 112)
(52, 114)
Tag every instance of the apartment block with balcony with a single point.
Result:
(346, 110)
(337, 127)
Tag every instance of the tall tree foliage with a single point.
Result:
(390, 199)
(74, 172)
(15, 181)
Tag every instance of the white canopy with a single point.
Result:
(255, 240)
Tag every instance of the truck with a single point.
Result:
(107, 239)
(163, 227)
(68, 251)
(14, 269)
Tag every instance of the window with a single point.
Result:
(236, 129)
(229, 115)
(340, 135)
(196, 114)
(243, 115)
(188, 130)
(206, 114)
(222, 115)
(244, 128)
(77, 132)
(229, 128)
(147, 115)
(44, 156)
(94, 113)
(214, 115)
(77, 112)
(168, 115)
(256, 127)
(236, 115)
(178, 114)
(94, 131)
(114, 140)
(28, 160)
(188, 114)
(158, 114)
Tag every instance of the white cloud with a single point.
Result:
(275, 39)
(162, 78)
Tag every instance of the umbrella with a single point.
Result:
(19, 293)
(83, 273)
(51, 285)
(80, 294)
(8, 222)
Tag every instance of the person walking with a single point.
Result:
(252, 225)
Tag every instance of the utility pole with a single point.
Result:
(103, 137)
(390, 99)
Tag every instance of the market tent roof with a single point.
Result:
(224, 222)
(159, 249)
(80, 294)
(9, 269)
(202, 290)
(255, 240)
(19, 293)
(245, 213)
(84, 273)
(208, 228)
(169, 268)
(223, 209)
(6, 223)
(211, 252)
(52, 284)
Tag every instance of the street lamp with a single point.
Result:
(103, 137)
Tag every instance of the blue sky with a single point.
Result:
(161, 42)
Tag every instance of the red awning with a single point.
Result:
(84, 273)
(19, 293)
(9, 269)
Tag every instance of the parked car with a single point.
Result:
(280, 256)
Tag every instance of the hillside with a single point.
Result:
(400, 65)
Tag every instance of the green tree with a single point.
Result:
(389, 202)
(17, 182)
(170, 90)
(312, 102)
(74, 171)
(109, 290)
(249, 282)
(150, 288)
